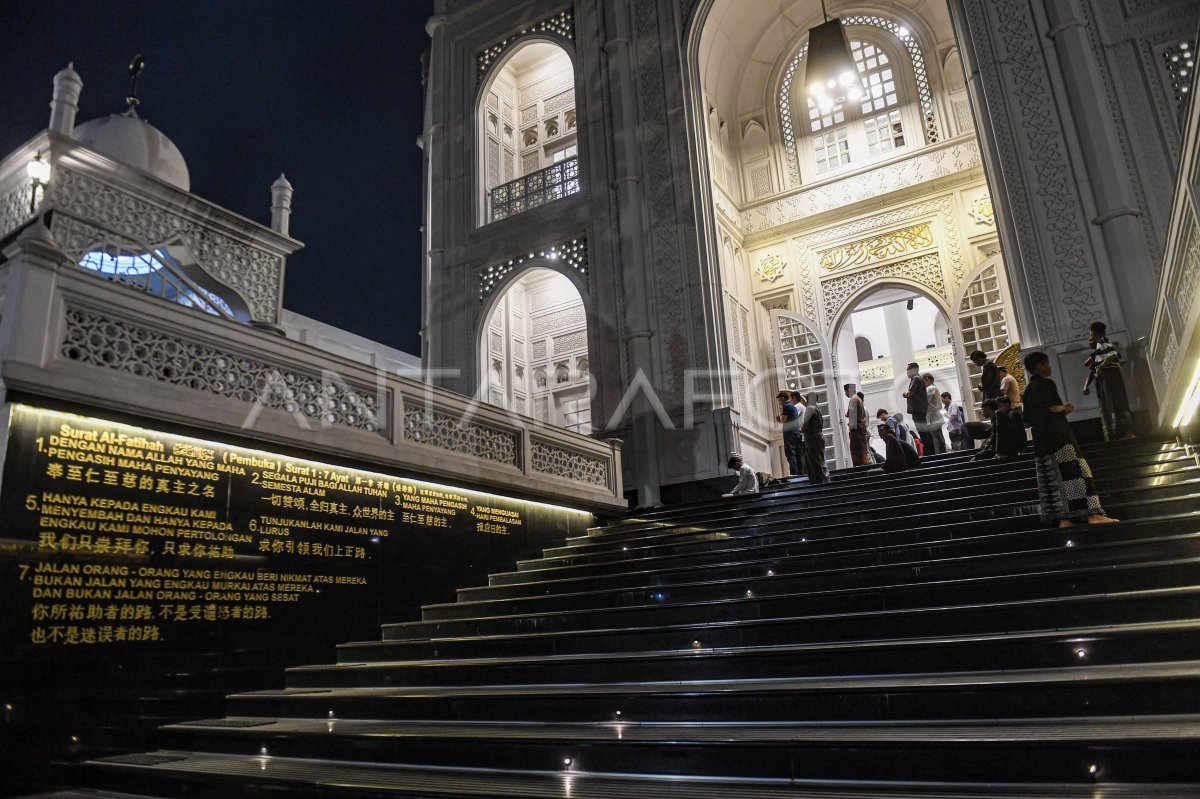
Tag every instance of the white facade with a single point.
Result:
(729, 230)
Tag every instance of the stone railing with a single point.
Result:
(537, 188)
(935, 358)
(1174, 347)
(71, 336)
(878, 369)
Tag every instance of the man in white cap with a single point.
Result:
(747, 481)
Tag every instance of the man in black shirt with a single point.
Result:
(989, 378)
(917, 406)
(1065, 487)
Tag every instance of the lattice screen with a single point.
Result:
(983, 321)
(803, 368)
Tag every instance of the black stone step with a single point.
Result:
(1055, 692)
(905, 591)
(878, 480)
(204, 776)
(1160, 603)
(859, 505)
(1133, 643)
(1020, 750)
(871, 504)
(926, 561)
(809, 555)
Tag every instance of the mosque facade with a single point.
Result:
(658, 230)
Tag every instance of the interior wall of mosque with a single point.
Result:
(537, 351)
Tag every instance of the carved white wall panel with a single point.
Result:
(926, 165)
(111, 343)
(14, 209)
(254, 273)
(570, 342)
(568, 317)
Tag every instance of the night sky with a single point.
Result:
(327, 92)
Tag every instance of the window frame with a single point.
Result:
(855, 121)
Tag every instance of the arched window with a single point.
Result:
(527, 131)
(858, 131)
(862, 348)
(871, 37)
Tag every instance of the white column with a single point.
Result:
(895, 318)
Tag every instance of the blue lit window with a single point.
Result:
(157, 273)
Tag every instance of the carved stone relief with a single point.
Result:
(925, 166)
(110, 343)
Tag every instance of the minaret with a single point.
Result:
(67, 86)
(281, 204)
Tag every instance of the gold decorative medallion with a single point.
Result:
(982, 211)
(771, 267)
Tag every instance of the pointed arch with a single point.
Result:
(802, 364)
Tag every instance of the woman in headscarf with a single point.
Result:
(812, 426)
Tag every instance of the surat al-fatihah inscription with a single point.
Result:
(117, 534)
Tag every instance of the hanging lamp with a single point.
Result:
(830, 72)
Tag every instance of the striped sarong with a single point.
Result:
(1065, 487)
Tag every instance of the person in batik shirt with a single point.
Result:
(1066, 489)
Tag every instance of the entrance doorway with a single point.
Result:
(880, 335)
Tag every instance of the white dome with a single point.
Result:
(136, 142)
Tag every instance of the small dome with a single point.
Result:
(136, 142)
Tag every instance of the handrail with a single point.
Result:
(550, 183)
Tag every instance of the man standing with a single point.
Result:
(989, 380)
(917, 405)
(856, 421)
(1009, 388)
(1105, 365)
(1065, 486)
(956, 423)
(790, 418)
(933, 415)
(812, 426)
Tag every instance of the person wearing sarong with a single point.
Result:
(856, 422)
(811, 425)
(1066, 490)
(1105, 372)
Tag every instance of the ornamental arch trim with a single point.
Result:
(511, 47)
(569, 257)
(923, 274)
(557, 28)
(938, 298)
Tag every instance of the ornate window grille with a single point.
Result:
(803, 369)
(920, 76)
(983, 322)
(552, 183)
